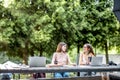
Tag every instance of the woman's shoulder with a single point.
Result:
(56, 53)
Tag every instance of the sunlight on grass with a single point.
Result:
(113, 51)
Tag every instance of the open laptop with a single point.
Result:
(96, 61)
(37, 61)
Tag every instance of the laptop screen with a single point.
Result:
(37, 61)
(96, 61)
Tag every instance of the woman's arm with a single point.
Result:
(68, 59)
(81, 59)
(53, 58)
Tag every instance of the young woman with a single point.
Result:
(60, 58)
(85, 57)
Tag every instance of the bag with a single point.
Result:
(5, 77)
(112, 63)
(39, 75)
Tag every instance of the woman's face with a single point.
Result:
(64, 48)
(85, 48)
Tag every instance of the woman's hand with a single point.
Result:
(88, 63)
(54, 65)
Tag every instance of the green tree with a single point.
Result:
(102, 23)
(29, 27)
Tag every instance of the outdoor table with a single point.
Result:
(29, 70)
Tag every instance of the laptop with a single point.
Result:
(96, 61)
(37, 61)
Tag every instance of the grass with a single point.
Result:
(28, 76)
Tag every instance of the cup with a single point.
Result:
(55, 62)
(89, 59)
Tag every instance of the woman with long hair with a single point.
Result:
(85, 58)
(60, 58)
(86, 55)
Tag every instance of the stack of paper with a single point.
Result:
(9, 65)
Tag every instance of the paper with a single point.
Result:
(9, 65)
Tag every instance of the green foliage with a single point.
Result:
(31, 27)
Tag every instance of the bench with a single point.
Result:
(114, 76)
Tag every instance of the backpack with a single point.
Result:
(39, 75)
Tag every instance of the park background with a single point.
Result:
(35, 27)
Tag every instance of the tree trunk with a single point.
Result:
(78, 53)
(41, 51)
(78, 49)
(106, 52)
(25, 58)
(25, 53)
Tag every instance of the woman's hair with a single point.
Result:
(89, 47)
(59, 47)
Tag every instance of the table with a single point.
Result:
(29, 70)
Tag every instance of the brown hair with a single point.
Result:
(59, 47)
(89, 47)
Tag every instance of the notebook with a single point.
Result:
(37, 61)
(96, 61)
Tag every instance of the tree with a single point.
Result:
(102, 23)
(37, 26)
